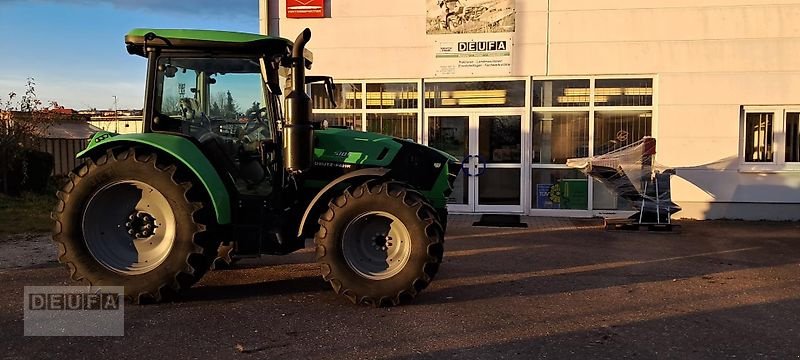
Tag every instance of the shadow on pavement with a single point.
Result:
(265, 288)
(506, 265)
(751, 331)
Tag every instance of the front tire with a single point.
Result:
(129, 218)
(379, 243)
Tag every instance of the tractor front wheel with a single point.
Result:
(129, 218)
(379, 243)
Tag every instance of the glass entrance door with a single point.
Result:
(451, 134)
(489, 146)
(497, 163)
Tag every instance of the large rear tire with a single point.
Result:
(129, 218)
(379, 243)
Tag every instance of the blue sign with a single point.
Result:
(543, 199)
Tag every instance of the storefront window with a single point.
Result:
(559, 189)
(392, 96)
(475, 94)
(605, 198)
(569, 118)
(349, 120)
(348, 96)
(557, 93)
(401, 125)
(558, 136)
(615, 129)
(623, 92)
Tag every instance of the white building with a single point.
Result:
(541, 81)
(118, 124)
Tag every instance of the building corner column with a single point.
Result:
(269, 17)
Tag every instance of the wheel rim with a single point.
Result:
(129, 227)
(376, 245)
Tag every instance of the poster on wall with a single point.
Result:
(470, 16)
(479, 56)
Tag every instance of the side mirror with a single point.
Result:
(169, 70)
(330, 87)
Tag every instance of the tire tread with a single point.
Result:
(196, 264)
(425, 214)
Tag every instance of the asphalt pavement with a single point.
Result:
(562, 288)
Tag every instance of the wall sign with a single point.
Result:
(304, 9)
(471, 37)
(488, 55)
(470, 16)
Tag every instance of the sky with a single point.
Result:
(75, 52)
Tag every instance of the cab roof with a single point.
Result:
(213, 40)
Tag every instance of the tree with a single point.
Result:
(230, 108)
(254, 109)
(216, 111)
(169, 105)
(22, 125)
(29, 102)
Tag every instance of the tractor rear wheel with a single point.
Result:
(379, 243)
(129, 218)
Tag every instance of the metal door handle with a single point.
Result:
(481, 161)
(465, 165)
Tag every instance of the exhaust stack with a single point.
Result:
(298, 133)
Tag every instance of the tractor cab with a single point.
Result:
(221, 89)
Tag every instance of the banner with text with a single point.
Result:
(484, 56)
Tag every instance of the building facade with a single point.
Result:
(515, 88)
(118, 124)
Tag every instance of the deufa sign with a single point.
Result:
(304, 9)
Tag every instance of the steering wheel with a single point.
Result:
(257, 115)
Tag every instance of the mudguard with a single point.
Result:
(324, 193)
(182, 149)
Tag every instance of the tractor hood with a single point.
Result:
(365, 148)
(429, 170)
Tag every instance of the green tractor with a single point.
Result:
(154, 211)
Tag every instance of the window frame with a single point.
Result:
(778, 163)
(266, 96)
(592, 109)
(528, 112)
(364, 110)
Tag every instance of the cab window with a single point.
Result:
(210, 93)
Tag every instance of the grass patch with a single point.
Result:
(29, 213)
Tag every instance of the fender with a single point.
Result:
(327, 190)
(182, 149)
